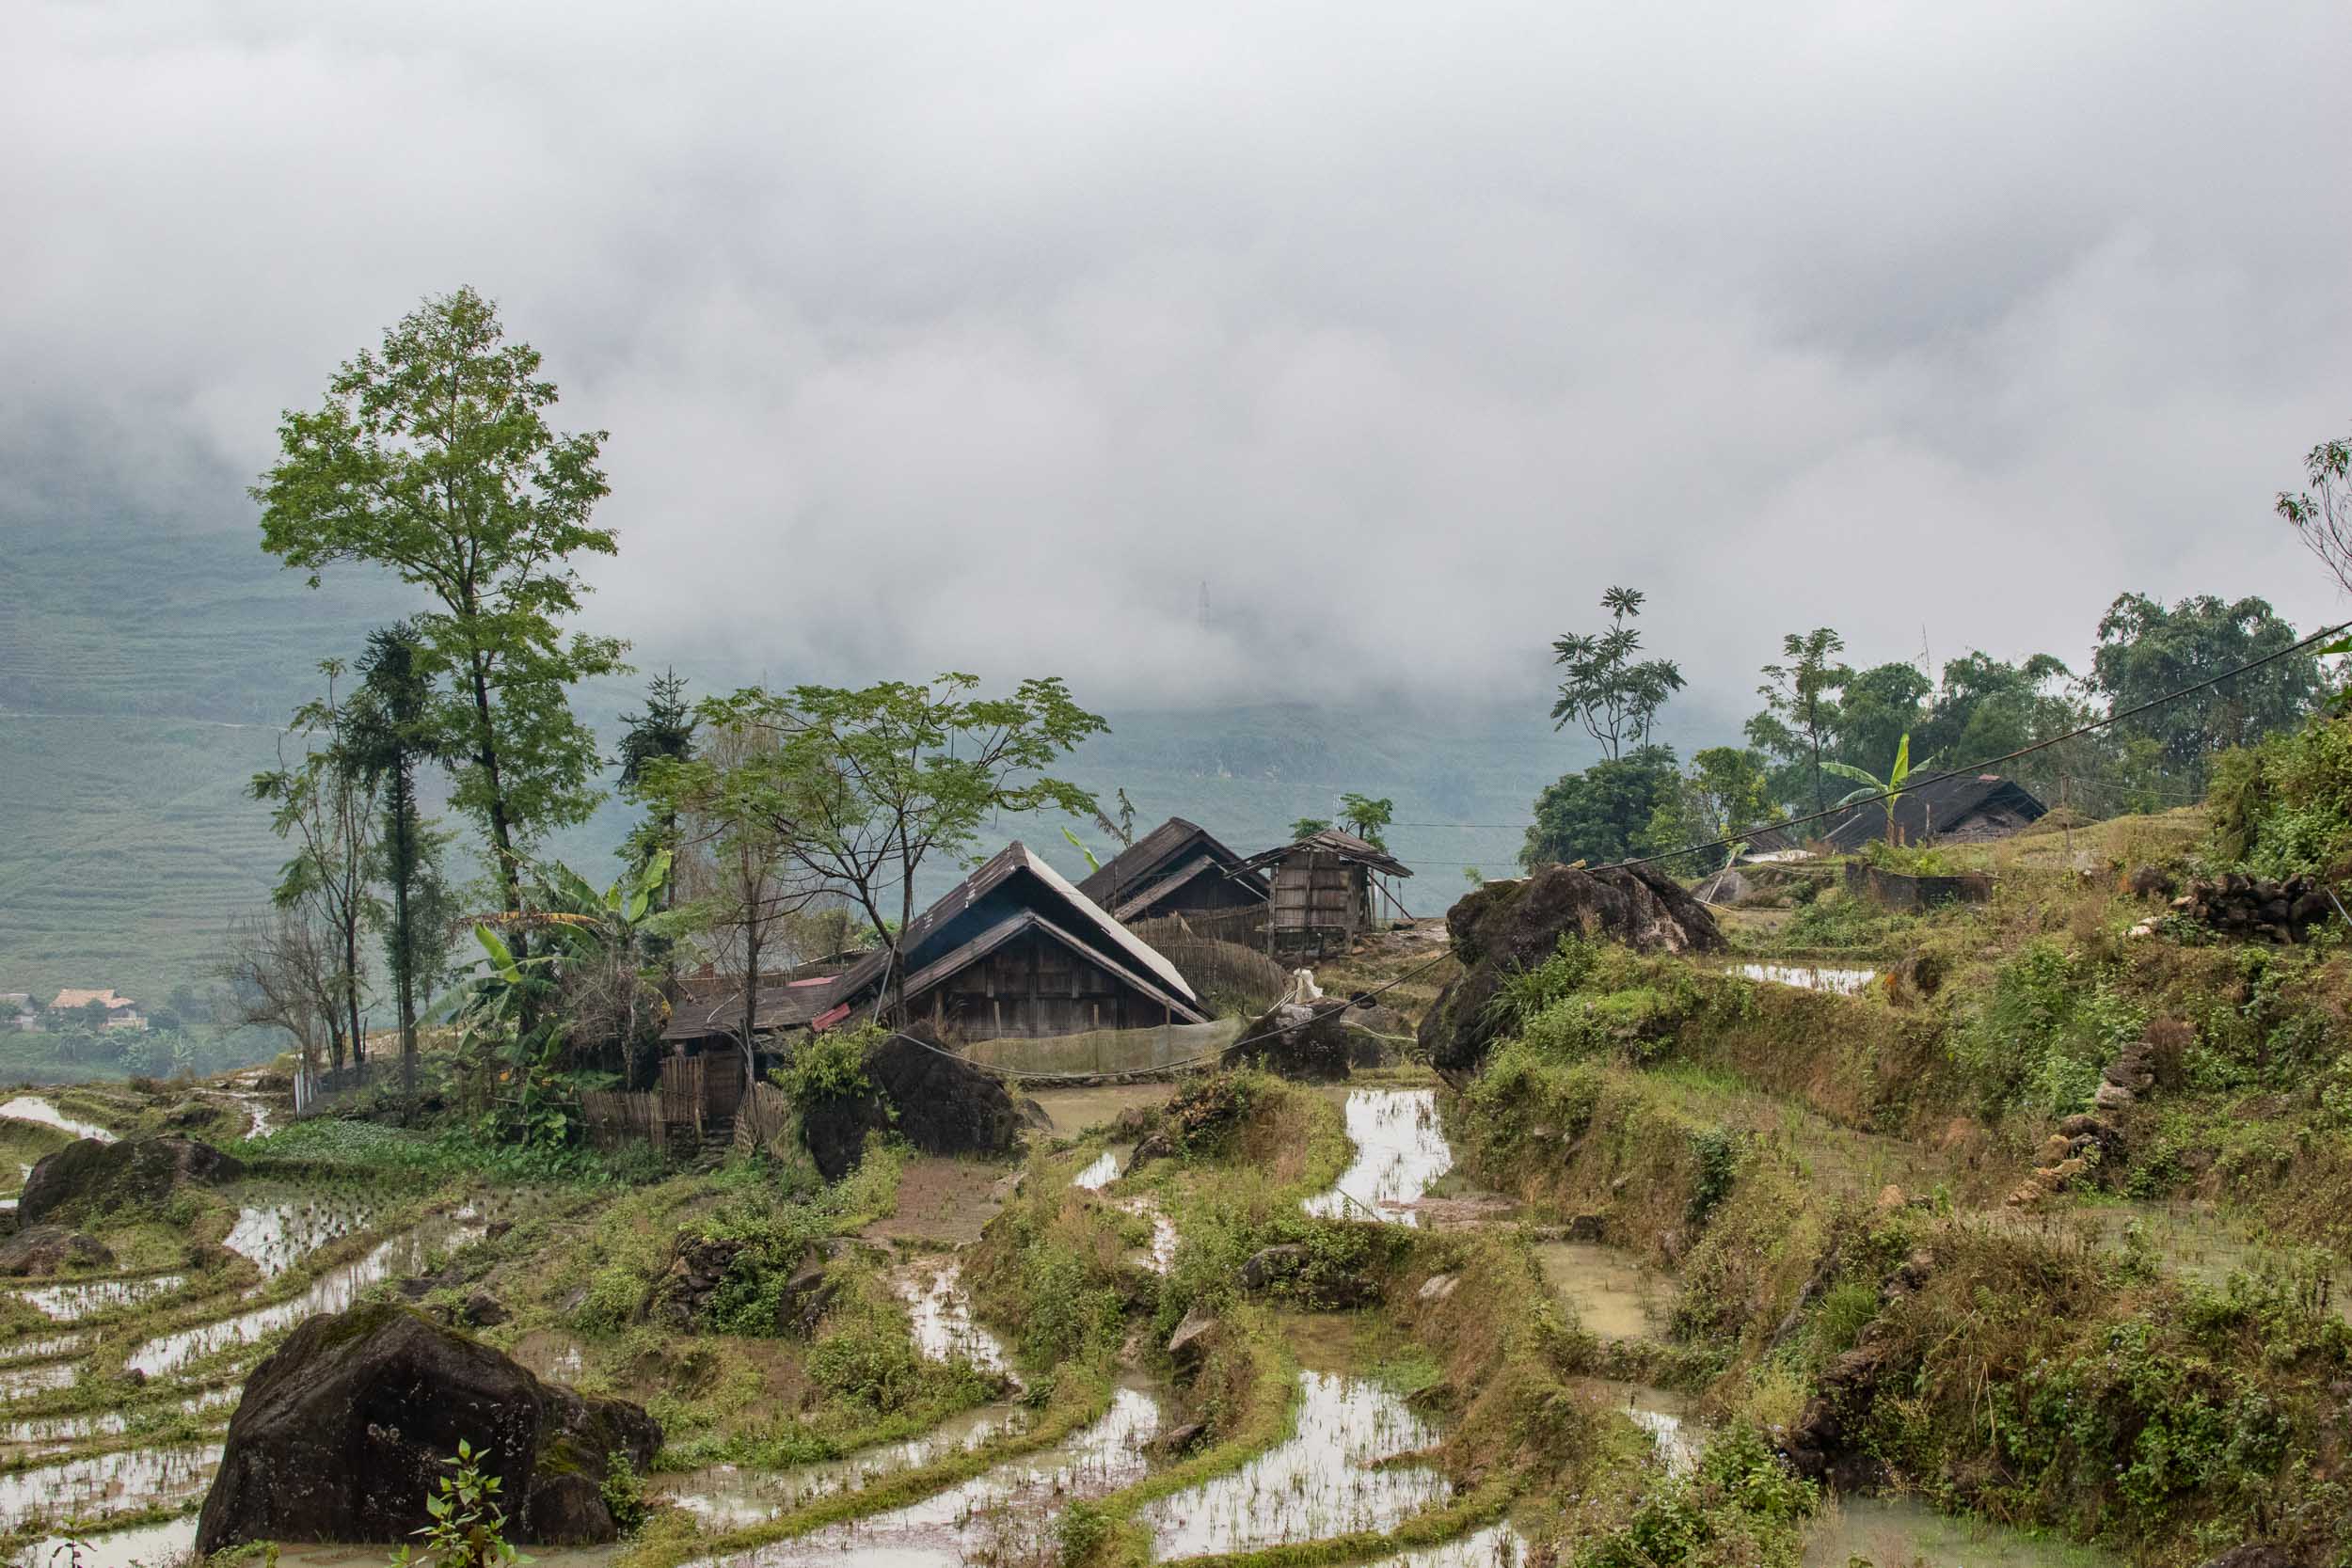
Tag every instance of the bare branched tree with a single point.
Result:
(283, 973)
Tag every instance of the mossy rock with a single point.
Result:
(87, 1177)
(343, 1433)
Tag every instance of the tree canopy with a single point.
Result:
(432, 457)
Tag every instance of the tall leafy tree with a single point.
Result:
(324, 807)
(1601, 814)
(1606, 689)
(432, 457)
(1877, 708)
(388, 731)
(1366, 818)
(1800, 717)
(2146, 650)
(862, 786)
(1724, 791)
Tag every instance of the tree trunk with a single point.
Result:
(404, 946)
(501, 830)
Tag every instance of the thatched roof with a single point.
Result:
(1331, 841)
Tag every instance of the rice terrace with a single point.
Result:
(1283, 797)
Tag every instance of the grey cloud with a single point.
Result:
(986, 336)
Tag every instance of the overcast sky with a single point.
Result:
(986, 336)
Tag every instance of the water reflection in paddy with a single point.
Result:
(26, 1108)
(1840, 982)
(1400, 1152)
(332, 1291)
(107, 1483)
(944, 1329)
(1000, 1516)
(726, 1497)
(80, 1298)
(20, 1382)
(111, 1423)
(1325, 1480)
(1496, 1546)
(278, 1232)
(1104, 1171)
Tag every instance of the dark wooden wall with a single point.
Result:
(1033, 988)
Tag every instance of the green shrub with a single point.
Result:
(2052, 1022)
(830, 1066)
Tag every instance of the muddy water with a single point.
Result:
(944, 1330)
(279, 1232)
(1400, 1151)
(1072, 1111)
(1325, 1481)
(109, 1483)
(726, 1497)
(331, 1292)
(1612, 1293)
(1000, 1516)
(65, 1303)
(1894, 1532)
(1842, 982)
(26, 1108)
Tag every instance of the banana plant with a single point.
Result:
(588, 989)
(1888, 790)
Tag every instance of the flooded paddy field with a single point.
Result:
(1401, 1151)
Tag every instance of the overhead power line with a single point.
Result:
(1851, 803)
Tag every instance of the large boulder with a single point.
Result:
(1506, 926)
(344, 1429)
(51, 1249)
(685, 1292)
(934, 1098)
(87, 1177)
(1308, 1040)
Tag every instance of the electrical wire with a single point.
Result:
(1017, 1076)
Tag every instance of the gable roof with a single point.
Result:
(1156, 861)
(1934, 809)
(1030, 882)
(962, 958)
(1331, 841)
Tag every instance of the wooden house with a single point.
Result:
(1967, 808)
(1177, 869)
(1325, 890)
(1014, 950)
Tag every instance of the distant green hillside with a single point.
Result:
(143, 671)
